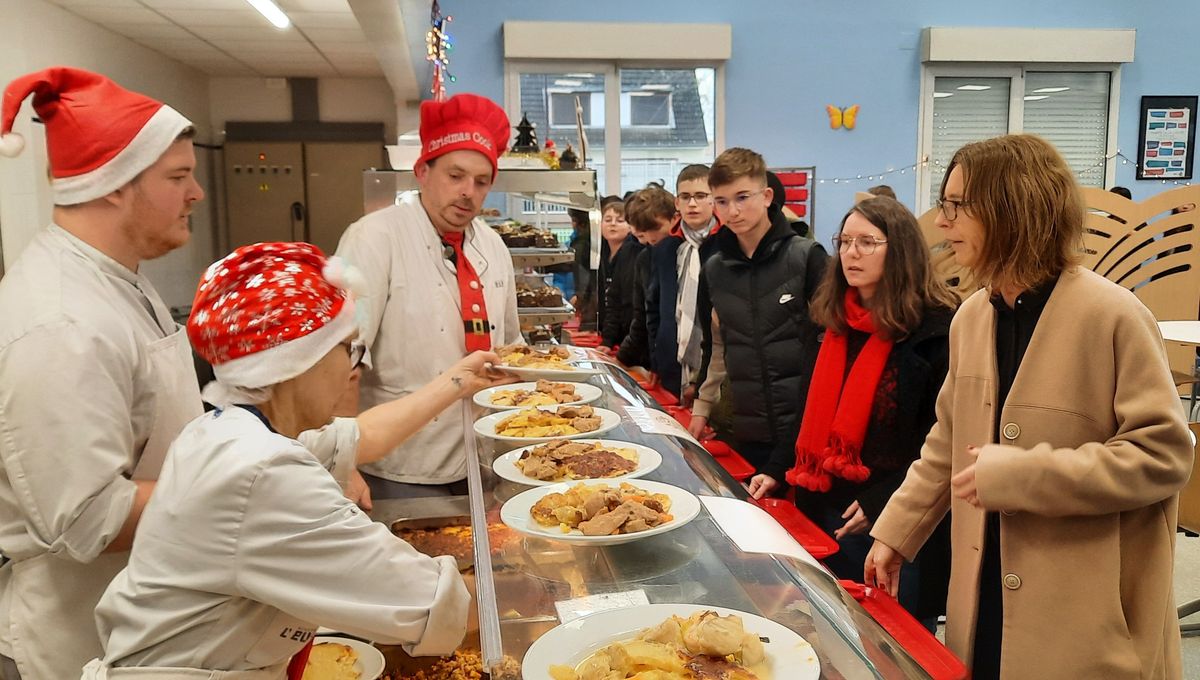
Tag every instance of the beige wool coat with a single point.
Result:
(1094, 451)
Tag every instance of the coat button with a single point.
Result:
(1012, 581)
(475, 308)
(1011, 431)
(474, 285)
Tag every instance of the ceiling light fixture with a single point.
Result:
(1047, 90)
(940, 95)
(272, 12)
(1036, 97)
(974, 88)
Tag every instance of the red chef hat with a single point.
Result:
(99, 135)
(270, 311)
(464, 121)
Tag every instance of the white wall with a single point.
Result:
(39, 35)
(340, 100)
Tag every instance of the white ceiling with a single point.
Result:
(229, 38)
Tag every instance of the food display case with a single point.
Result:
(542, 189)
(731, 556)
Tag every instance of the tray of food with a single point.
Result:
(338, 658)
(541, 299)
(541, 424)
(550, 363)
(564, 460)
(600, 513)
(519, 236)
(539, 393)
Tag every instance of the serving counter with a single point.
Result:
(732, 555)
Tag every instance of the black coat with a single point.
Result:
(770, 343)
(618, 287)
(635, 350)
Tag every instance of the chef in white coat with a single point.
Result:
(96, 379)
(440, 284)
(248, 544)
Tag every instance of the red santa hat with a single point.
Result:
(98, 134)
(270, 311)
(464, 121)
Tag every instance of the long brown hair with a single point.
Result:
(1026, 197)
(909, 286)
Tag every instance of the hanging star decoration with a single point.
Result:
(438, 46)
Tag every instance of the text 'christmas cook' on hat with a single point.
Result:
(464, 121)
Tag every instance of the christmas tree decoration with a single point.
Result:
(437, 47)
(526, 137)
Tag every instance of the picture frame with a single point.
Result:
(1166, 137)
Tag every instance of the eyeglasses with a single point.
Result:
(738, 201)
(950, 207)
(699, 197)
(865, 245)
(357, 350)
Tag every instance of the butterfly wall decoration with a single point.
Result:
(842, 117)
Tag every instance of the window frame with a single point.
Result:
(1016, 73)
(670, 124)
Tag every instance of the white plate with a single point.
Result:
(506, 465)
(515, 513)
(370, 660)
(560, 374)
(788, 655)
(486, 426)
(587, 394)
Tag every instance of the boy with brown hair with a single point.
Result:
(650, 213)
(759, 283)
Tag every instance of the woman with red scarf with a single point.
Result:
(871, 401)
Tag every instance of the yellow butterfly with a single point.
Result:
(842, 117)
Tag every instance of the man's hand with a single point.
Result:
(882, 568)
(606, 351)
(856, 522)
(358, 491)
(697, 427)
(761, 485)
(477, 371)
(688, 396)
(963, 483)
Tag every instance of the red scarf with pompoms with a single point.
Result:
(839, 405)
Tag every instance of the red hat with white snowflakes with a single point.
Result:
(98, 134)
(464, 121)
(270, 311)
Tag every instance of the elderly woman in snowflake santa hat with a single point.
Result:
(248, 543)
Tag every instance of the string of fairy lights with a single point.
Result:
(880, 176)
(438, 46)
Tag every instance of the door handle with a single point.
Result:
(298, 221)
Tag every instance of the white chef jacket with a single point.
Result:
(82, 394)
(248, 544)
(413, 325)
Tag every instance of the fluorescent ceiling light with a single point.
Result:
(1047, 90)
(940, 95)
(568, 83)
(974, 88)
(1036, 97)
(581, 75)
(271, 11)
(657, 86)
(642, 94)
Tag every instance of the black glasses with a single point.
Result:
(950, 207)
(699, 197)
(864, 244)
(357, 350)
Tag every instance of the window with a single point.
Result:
(643, 124)
(1071, 106)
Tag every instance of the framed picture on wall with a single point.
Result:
(1167, 138)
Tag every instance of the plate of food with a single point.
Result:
(682, 641)
(541, 424)
(540, 393)
(600, 512)
(552, 363)
(338, 658)
(568, 460)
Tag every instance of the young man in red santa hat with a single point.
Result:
(96, 379)
(440, 285)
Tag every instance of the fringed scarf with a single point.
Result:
(837, 411)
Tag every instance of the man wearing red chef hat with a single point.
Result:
(439, 285)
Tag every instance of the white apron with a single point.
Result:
(96, 670)
(46, 588)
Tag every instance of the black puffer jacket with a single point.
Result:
(770, 343)
(620, 282)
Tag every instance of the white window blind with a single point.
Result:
(965, 110)
(1070, 109)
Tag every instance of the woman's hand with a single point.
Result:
(761, 485)
(963, 483)
(882, 568)
(697, 427)
(478, 371)
(856, 522)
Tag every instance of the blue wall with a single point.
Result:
(790, 59)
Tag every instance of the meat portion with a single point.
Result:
(598, 464)
(586, 424)
(606, 523)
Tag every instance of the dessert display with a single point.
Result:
(519, 235)
(331, 661)
(565, 420)
(524, 356)
(601, 510)
(563, 460)
(544, 393)
(704, 646)
(539, 296)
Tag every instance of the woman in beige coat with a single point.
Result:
(1060, 445)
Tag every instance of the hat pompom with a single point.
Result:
(11, 145)
(344, 275)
